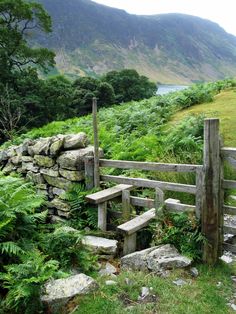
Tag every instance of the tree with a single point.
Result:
(129, 85)
(18, 19)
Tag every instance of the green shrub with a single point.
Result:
(181, 230)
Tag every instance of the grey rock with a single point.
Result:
(29, 166)
(101, 245)
(74, 159)
(61, 205)
(60, 183)
(155, 259)
(3, 156)
(36, 178)
(22, 149)
(58, 292)
(108, 270)
(110, 283)
(57, 145)
(42, 186)
(27, 159)
(11, 152)
(233, 306)
(44, 161)
(49, 172)
(63, 214)
(57, 220)
(41, 147)
(75, 141)
(16, 160)
(72, 175)
(179, 282)
(194, 272)
(9, 167)
(57, 191)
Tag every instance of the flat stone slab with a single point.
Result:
(100, 245)
(60, 291)
(155, 259)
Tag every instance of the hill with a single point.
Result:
(90, 38)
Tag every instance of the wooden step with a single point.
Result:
(108, 194)
(137, 223)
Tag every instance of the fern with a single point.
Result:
(11, 248)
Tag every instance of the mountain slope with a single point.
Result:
(92, 38)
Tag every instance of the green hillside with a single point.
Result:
(90, 38)
(223, 107)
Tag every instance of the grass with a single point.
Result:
(199, 295)
(223, 107)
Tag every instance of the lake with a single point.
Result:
(165, 89)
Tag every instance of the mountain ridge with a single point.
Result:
(91, 38)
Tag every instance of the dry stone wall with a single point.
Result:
(52, 164)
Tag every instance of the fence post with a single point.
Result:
(126, 204)
(89, 172)
(211, 204)
(96, 145)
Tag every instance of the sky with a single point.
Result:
(221, 12)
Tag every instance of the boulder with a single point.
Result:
(44, 161)
(63, 214)
(74, 159)
(41, 147)
(74, 141)
(22, 149)
(27, 159)
(100, 245)
(57, 191)
(57, 145)
(58, 292)
(72, 175)
(155, 259)
(16, 160)
(11, 152)
(60, 204)
(60, 183)
(9, 167)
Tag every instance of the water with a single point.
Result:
(165, 89)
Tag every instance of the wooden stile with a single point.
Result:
(96, 145)
(89, 172)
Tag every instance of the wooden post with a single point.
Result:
(130, 243)
(102, 216)
(159, 199)
(211, 209)
(96, 145)
(126, 204)
(200, 193)
(89, 172)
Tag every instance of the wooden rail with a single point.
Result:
(229, 184)
(146, 183)
(153, 166)
(229, 210)
(228, 151)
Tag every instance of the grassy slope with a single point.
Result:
(223, 107)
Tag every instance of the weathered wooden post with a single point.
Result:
(89, 172)
(96, 145)
(126, 205)
(211, 216)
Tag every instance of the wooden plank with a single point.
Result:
(89, 172)
(130, 243)
(178, 207)
(229, 229)
(229, 210)
(211, 209)
(102, 216)
(142, 202)
(231, 161)
(96, 145)
(177, 187)
(126, 204)
(229, 184)
(229, 247)
(138, 222)
(108, 194)
(228, 151)
(153, 166)
(200, 199)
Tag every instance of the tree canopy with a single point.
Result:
(19, 19)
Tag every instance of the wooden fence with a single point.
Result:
(208, 189)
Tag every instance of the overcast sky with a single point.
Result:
(221, 12)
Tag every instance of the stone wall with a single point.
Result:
(52, 164)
